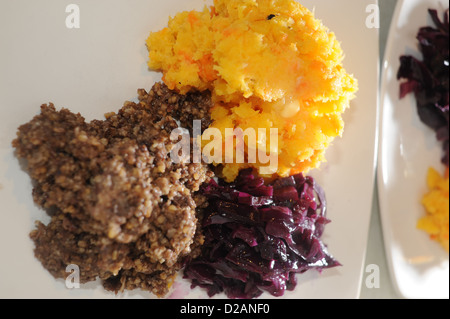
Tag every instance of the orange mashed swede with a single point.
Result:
(436, 204)
(268, 64)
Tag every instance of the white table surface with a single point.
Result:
(375, 247)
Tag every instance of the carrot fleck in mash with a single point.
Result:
(269, 64)
(436, 204)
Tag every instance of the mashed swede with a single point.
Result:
(269, 64)
(436, 204)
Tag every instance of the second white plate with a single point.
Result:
(419, 267)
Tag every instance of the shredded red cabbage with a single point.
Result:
(257, 236)
(429, 79)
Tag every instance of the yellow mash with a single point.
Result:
(269, 64)
(436, 204)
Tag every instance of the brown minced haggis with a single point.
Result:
(120, 208)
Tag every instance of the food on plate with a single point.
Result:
(258, 236)
(268, 64)
(120, 208)
(436, 204)
(428, 79)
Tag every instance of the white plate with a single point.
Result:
(94, 69)
(419, 267)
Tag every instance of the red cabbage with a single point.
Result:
(257, 236)
(428, 80)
